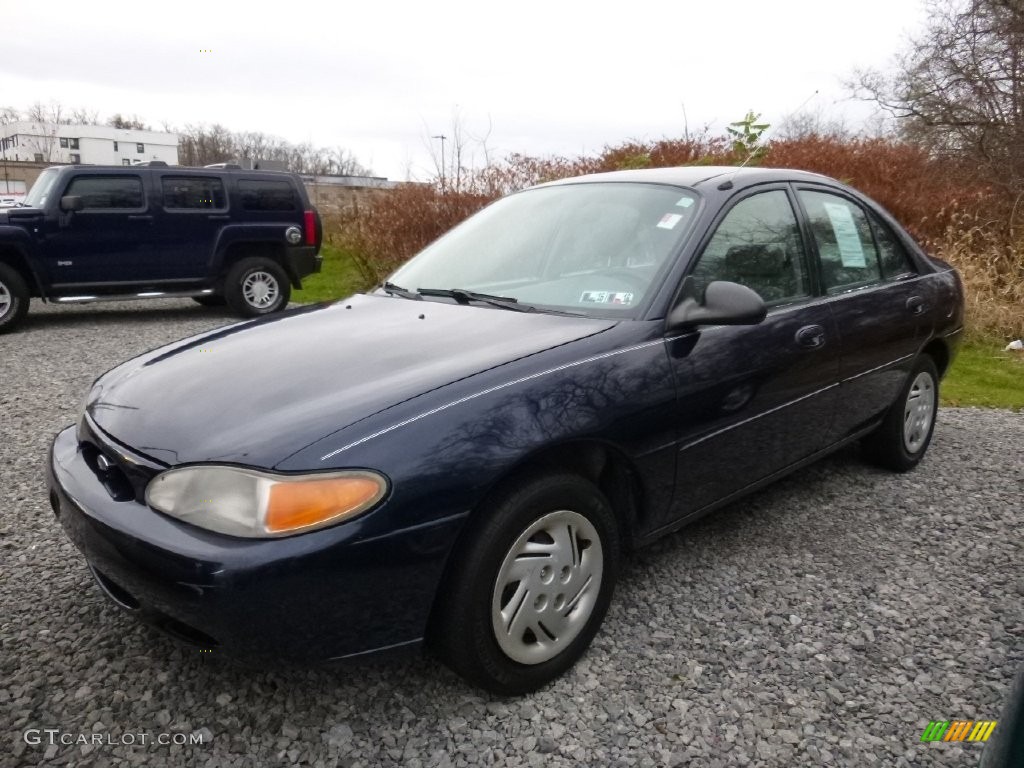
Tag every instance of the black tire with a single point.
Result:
(463, 629)
(264, 271)
(901, 440)
(13, 298)
(210, 300)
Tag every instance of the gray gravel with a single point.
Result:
(824, 621)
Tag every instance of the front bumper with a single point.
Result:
(325, 594)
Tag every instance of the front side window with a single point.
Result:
(107, 192)
(36, 197)
(193, 193)
(267, 196)
(758, 245)
(596, 248)
(846, 248)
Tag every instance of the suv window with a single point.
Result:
(895, 259)
(267, 196)
(846, 247)
(193, 193)
(106, 192)
(758, 245)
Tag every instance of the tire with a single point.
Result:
(210, 300)
(552, 601)
(13, 298)
(256, 286)
(901, 440)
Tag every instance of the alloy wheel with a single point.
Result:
(260, 289)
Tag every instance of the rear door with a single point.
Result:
(110, 241)
(193, 209)
(878, 299)
(754, 399)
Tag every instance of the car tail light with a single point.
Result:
(310, 222)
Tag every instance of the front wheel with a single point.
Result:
(256, 286)
(529, 585)
(13, 298)
(903, 437)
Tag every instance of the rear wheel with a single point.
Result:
(13, 298)
(901, 440)
(529, 585)
(256, 286)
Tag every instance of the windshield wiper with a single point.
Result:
(462, 296)
(397, 290)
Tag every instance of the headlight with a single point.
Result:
(243, 502)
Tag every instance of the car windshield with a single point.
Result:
(36, 197)
(595, 248)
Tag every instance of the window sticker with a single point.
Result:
(606, 297)
(851, 252)
(669, 221)
(685, 202)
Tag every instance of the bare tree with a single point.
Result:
(130, 122)
(45, 119)
(81, 116)
(959, 90)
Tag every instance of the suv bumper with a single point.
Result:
(302, 261)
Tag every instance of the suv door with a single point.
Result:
(754, 399)
(110, 241)
(192, 211)
(877, 297)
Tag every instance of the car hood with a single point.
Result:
(257, 392)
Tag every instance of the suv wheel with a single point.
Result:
(256, 286)
(13, 298)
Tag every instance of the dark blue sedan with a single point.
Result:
(461, 456)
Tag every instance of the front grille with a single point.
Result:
(124, 473)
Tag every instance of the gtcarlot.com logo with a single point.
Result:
(958, 730)
(35, 737)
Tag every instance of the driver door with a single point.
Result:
(754, 399)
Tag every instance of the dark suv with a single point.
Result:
(95, 233)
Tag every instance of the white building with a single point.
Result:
(92, 144)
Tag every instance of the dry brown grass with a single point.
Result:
(955, 215)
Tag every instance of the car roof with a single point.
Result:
(696, 175)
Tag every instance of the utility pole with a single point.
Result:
(442, 137)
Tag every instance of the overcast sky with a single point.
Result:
(379, 78)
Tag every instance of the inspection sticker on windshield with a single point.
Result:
(606, 297)
(669, 221)
(685, 202)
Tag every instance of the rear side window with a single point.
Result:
(267, 196)
(896, 261)
(846, 246)
(193, 193)
(107, 192)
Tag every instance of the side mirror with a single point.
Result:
(723, 303)
(71, 203)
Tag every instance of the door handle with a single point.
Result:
(140, 217)
(916, 305)
(218, 217)
(811, 337)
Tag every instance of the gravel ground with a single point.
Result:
(824, 621)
